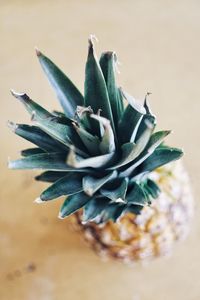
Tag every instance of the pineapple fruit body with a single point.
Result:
(154, 231)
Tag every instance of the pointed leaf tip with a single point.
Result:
(133, 102)
(96, 93)
(38, 52)
(92, 38)
(13, 126)
(38, 200)
(60, 216)
(20, 96)
(67, 93)
(91, 49)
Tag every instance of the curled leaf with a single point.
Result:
(107, 144)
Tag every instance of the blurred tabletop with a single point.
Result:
(158, 45)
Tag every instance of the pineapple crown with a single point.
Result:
(99, 152)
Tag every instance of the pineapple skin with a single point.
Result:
(153, 232)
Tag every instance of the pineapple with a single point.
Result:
(103, 153)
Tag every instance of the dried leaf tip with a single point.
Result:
(38, 200)
(38, 52)
(13, 126)
(60, 216)
(20, 96)
(15, 94)
(117, 63)
(91, 40)
(146, 103)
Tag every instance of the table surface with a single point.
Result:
(158, 45)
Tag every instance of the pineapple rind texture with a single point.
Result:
(153, 232)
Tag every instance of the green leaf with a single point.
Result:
(61, 118)
(159, 158)
(31, 106)
(96, 94)
(112, 212)
(155, 140)
(68, 185)
(46, 161)
(47, 122)
(120, 102)
(93, 209)
(152, 188)
(130, 151)
(67, 93)
(31, 151)
(147, 118)
(117, 194)
(90, 141)
(107, 144)
(38, 137)
(107, 62)
(131, 119)
(92, 184)
(50, 176)
(92, 162)
(134, 209)
(83, 115)
(72, 204)
(137, 196)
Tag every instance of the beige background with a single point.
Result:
(159, 46)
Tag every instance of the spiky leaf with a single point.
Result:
(47, 122)
(92, 162)
(92, 184)
(96, 94)
(90, 141)
(159, 158)
(107, 144)
(31, 151)
(118, 193)
(155, 140)
(152, 188)
(147, 118)
(137, 196)
(73, 203)
(112, 212)
(94, 208)
(38, 137)
(50, 176)
(44, 161)
(67, 185)
(67, 93)
(108, 62)
(131, 119)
